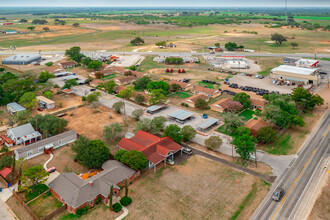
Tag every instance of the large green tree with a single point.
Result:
(163, 86)
(127, 93)
(137, 41)
(305, 99)
(213, 142)
(95, 154)
(244, 99)
(45, 76)
(28, 100)
(157, 96)
(49, 124)
(232, 121)
(33, 176)
(141, 83)
(69, 83)
(95, 64)
(244, 145)
(188, 133)
(278, 38)
(135, 160)
(113, 131)
(266, 135)
(173, 131)
(110, 86)
(79, 146)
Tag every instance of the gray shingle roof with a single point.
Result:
(76, 191)
(16, 106)
(22, 130)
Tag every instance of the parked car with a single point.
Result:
(321, 72)
(40, 109)
(170, 161)
(92, 90)
(278, 194)
(50, 170)
(187, 150)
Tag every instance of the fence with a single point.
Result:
(27, 208)
(10, 68)
(56, 212)
(3, 181)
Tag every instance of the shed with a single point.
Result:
(45, 103)
(14, 107)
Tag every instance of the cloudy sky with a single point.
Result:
(166, 3)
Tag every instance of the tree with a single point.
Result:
(118, 106)
(6, 161)
(201, 104)
(266, 135)
(139, 99)
(126, 188)
(49, 124)
(213, 142)
(173, 60)
(110, 86)
(232, 121)
(157, 124)
(49, 64)
(28, 100)
(99, 75)
(217, 45)
(135, 160)
(278, 38)
(161, 43)
(137, 113)
(137, 41)
(75, 24)
(69, 83)
(73, 51)
(231, 46)
(157, 97)
(110, 197)
(306, 100)
(31, 28)
(175, 87)
(33, 176)
(79, 146)
(13, 172)
(143, 125)
(188, 133)
(173, 131)
(127, 93)
(46, 29)
(163, 86)
(86, 60)
(113, 131)
(141, 83)
(49, 94)
(23, 21)
(294, 44)
(45, 76)
(22, 117)
(119, 154)
(95, 154)
(93, 97)
(244, 145)
(244, 99)
(95, 64)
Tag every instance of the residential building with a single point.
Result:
(258, 103)
(296, 74)
(307, 63)
(135, 73)
(77, 193)
(14, 107)
(54, 69)
(68, 64)
(184, 86)
(156, 149)
(96, 82)
(123, 80)
(256, 125)
(211, 93)
(119, 88)
(22, 59)
(146, 97)
(237, 64)
(10, 32)
(45, 103)
(46, 146)
(118, 69)
(24, 134)
(190, 101)
(225, 105)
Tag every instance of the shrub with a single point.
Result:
(117, 207)
(125, 201)
(98, 201)
(119, 154)
(82, 211)
(4, 149)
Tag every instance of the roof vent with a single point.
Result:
(90, 182)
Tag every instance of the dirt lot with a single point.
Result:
(89, 123)
(64, 101)
(191, 193)
(321, 209)
(62, 160)
(18, 209)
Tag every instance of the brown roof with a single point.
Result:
(258, 102)
(205, 90)
(181, 84)
(106, 71)
(256, 125)
(69, 63)
(225, 103)
(53, 69)
(119, 88)
(118, 69)
(124, 79)
(97, 82)
(194, 98)
(146, 96)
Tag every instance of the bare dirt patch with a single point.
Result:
(18, 209)
(321, 209)
(86, 121)
(191, 193)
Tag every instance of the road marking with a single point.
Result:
(293, 184)
(326, 131)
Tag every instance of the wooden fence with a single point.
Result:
(54, 213)
(27, 208)
(10, 68)
(3, 181)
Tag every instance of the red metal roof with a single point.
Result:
(5, 171)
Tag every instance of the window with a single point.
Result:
(40, 149)
(60, 142)
(29, 153)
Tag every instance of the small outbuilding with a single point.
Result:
(45, 103)
(14, 107)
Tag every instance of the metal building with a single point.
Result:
(22, 59)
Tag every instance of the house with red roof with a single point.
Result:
(155, 148)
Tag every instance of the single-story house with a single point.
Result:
(256, 125)
(258, 103)
(190, 101)
(46, 146)
(118, 69)
(123, 80)
(205, 91)
(67, 91)
(14, 107)
(136, 73)
(96, 82)
(77, 193)
(225, 105)
(54, 69)
(119, 88)
(24, 134)
(68, 64)
(45, 103)
(146, 97)
(184, 86)
(155, 148)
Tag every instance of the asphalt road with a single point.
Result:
(295, 180)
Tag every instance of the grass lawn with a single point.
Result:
(38, 189)
(109, 77)
(247, 114)
(281, 146)
(45, 204)
(180, 95)
(326, 59)
(208, 85)
(222, 129)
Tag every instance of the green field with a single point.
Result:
(180, 95)
(247, 114)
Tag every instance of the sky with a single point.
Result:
(163, 3)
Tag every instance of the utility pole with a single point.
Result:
(286, 11)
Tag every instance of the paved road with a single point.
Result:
(5, 214)
(295, 181)
(89, 53)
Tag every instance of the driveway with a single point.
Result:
(5, 212)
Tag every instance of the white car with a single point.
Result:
(170, 161)
(187, 150)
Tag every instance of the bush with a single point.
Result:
(98, 201)
(125, 201)
(119, 154)
(4, 149)
(82, 211)
(117, 207)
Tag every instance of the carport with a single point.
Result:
(153, 109)
(208, 123)
(181, 115)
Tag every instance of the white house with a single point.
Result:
(45, 103)
(24, 134)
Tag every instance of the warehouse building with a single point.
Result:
(296, 74)
(22, 59)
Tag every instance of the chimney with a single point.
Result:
(90, 182)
